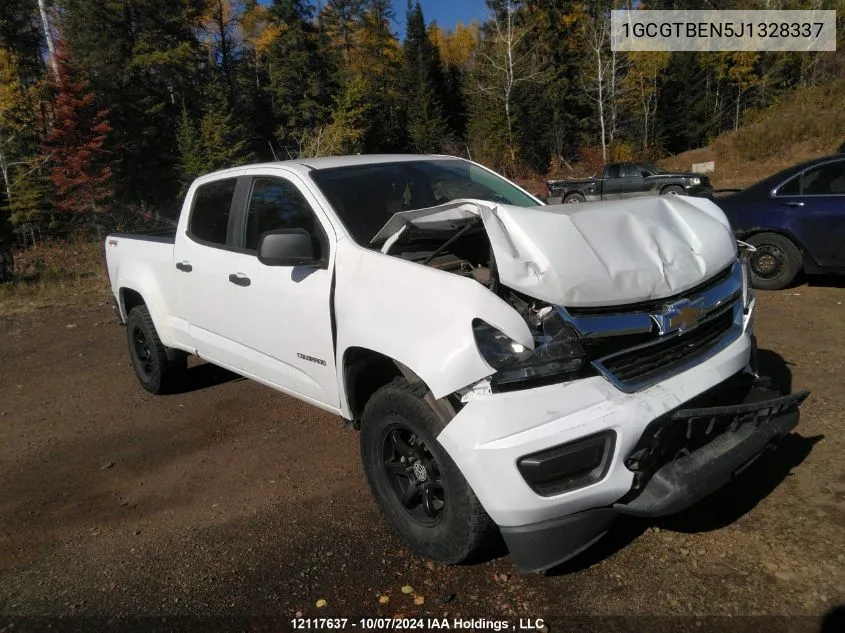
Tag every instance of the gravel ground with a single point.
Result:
(234, 501)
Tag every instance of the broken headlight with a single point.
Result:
(557, 356)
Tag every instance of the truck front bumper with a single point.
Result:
(622, 452)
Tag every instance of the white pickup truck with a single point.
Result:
(510, 365)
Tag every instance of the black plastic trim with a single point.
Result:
(563, 468)
(754, 424)
(163, 236)
(540, 546)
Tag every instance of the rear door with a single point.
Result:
(203, 256)
(613, 184)
(815, 203)
(624, 181)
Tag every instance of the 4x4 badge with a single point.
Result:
(679, 316)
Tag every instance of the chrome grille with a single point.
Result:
(625, 345)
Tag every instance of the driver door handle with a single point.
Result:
(239, 279)
(185, 267)
(794, 204)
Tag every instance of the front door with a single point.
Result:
(283, 314)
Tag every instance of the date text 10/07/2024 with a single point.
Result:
(417, 624)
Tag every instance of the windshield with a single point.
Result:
(366, 196)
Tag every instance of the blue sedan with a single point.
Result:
(795, 219)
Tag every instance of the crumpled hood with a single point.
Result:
(596, 254)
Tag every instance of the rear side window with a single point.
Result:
(210, 214)
(824, 180)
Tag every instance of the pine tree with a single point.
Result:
(425, 121)
(223, 142)
(302, 78)
(378, 60)
(144, 60)
(81, 167)
(340, 20)
(217, 143)
(191, 163)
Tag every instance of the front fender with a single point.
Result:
(419, 316)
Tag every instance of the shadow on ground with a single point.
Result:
(825, 281)
(206, 375)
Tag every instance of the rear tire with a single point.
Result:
(673, 190)
(159, 369)
(776, 262)
(574, 198)
(415, 483)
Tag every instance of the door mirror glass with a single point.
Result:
(288, 247)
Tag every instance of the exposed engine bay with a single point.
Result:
(468, 253)
(544, 262)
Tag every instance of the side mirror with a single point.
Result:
(645, 174)
(288, 247)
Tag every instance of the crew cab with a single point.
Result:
(537, 370)
(629, 180)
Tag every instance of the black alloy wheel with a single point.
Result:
(414, 474)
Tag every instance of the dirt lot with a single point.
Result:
(235, 500)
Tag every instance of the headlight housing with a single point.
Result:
(558, 355)
(695, 181)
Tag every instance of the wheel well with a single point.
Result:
(569, 194)
(364, 372)
(130, 299)
(665, 187)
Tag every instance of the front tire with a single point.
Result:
(415, 483)
(672, 190)
(776, 262)
(159, 369)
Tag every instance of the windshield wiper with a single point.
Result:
(451, 240)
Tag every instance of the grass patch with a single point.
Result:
(56, 274)
(806, 124)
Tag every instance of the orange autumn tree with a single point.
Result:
(80, 164)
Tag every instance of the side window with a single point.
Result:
(611, 171)
(210, 212)
(824, 180)
(791, 187)
(631, 171)
(275, 203)
(828, 179)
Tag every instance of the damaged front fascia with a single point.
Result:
(597, 254)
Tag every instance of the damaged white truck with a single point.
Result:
(534, 369)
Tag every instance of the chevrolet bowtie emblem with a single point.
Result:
(679, 316)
